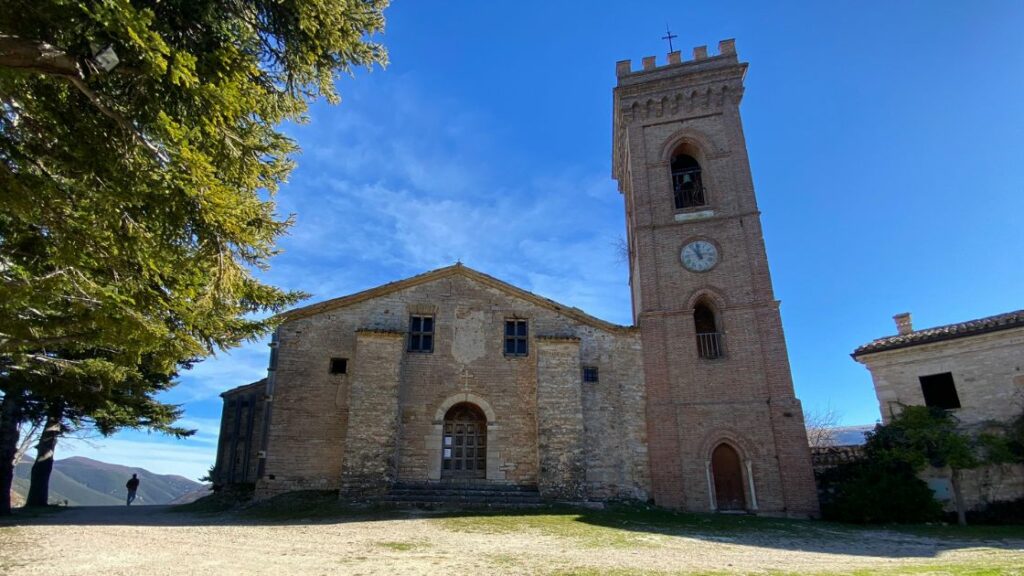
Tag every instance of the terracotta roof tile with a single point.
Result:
(947, 332)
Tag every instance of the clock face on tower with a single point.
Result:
(699, 256)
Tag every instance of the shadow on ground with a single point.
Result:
(575, 523)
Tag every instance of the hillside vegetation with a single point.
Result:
(86, 482)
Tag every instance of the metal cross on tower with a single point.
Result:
(669, 37)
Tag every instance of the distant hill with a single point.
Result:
(86, 482)
(852, 435)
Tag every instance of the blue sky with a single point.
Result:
(885, 142)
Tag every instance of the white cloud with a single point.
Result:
(216, 374)
(393, 183)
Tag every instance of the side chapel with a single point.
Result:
(455, 378)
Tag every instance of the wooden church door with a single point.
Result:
(728, 473)
(464, 448)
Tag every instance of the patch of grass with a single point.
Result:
(504, 560)
(967, 569)
(218, 502)
(971, 569)
(555, 521)
(633, 525)
(401, 546)
(953, 531)
(314, 505)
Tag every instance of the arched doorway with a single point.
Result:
(728, 473)
(464, 442)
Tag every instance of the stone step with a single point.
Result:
(433, 504)
(455, 492)
(415, 496)
(467, 486)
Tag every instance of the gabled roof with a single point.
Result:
(259, 383)
(457, 269)
(947, 332)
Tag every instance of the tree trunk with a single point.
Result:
(958, 497)
(39, 490)
(10, 417)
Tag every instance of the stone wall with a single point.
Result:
(560, 446)
(241, 424)
(314, 412)
(987, 372)
(371, 442)
(987, 369)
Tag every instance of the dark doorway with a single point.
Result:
(464, 443)
(728, 473)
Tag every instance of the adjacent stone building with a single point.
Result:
(455, 377)
(974, 369)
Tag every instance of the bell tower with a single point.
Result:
(725, 430)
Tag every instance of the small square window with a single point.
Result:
(590, 373)
(421, 333)
(339, 365)
(940, 391)
(516, 334)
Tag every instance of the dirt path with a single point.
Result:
(152, 541)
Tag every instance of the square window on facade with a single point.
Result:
(940, 391)
(516, 338)
(421, 333)
(590, 373)
(339, 365)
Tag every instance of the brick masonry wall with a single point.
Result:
(312, 409)
(746, 398)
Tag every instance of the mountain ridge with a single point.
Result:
(81, 481)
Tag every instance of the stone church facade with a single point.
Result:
(455, 377)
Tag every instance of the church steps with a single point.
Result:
(463, 494)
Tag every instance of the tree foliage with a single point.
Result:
(876, 492)
(914, 439)
(136, 201)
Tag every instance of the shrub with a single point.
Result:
(999, 512)
(869, 491)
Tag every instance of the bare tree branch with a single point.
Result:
(821, 426)
(29, 437)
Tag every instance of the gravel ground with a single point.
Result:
(151, 541)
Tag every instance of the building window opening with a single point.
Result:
(590, 373)
(940, 391)
(339, 365)
(709, 339)
(421, 334)
(516, 338)
(687, 185)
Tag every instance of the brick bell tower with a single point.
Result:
(725, 430)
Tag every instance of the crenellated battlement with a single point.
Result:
(700, 54)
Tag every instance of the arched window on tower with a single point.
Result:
(686, 182)
(709, 339)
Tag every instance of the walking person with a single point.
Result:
(132, 486)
